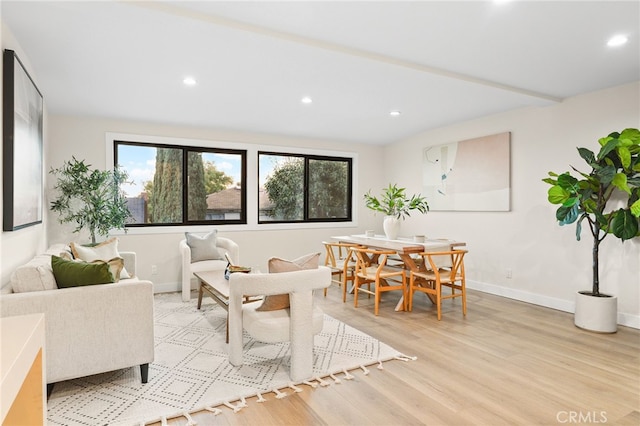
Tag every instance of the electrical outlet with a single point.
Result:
(154, 269)
(509, 273)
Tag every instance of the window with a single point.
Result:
(304, 188)
(183, 185)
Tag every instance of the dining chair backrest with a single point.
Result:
(337, 254)
(441, 268)
(370, 257)
(447, 265)
(372, 269)
(340, 259)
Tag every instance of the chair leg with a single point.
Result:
(464, 298)
(410, 293)
(356, 286)
(377, 298)
(405, 302)
(438, 299)
(344, 290)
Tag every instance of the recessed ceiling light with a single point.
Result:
(394, 113)
(617, 40)
(189, 81)
(306, 100)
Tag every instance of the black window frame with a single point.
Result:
(185, 150)
(307, 158)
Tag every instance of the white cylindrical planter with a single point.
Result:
(599, 314)
(391, 226)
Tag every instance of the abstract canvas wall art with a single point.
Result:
(469, 175)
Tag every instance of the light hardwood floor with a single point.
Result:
(506, 363)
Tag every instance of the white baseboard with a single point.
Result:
(167, 287)
(627, 320)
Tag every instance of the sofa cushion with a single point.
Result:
(203, 248)
(35, 275)
(104, 251)
(277, 265)
(115, 265)
(69, 273)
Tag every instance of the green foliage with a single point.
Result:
(166, 198)
(285, 189)
(197, 196)
(90, 198)
(215, 180)
(615, 171)
(328, 189)
(394, 202)
(165, 191)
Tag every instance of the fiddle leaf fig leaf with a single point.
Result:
(567, 215)
(557, 195)
(606, 174)
(587, 155)
(625, 156)
(607, 148)
(624, 225)
(635, 209)
(620, 182)
(567, 181)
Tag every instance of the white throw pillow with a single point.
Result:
(104, 251)
(203, 248)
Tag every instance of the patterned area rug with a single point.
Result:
(191, 371)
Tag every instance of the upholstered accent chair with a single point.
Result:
(191, 264)
(297, 324)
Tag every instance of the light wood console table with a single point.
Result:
(23, 383)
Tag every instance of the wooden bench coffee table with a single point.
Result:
(216, 286)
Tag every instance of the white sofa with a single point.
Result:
(224, 245)
(89, 329)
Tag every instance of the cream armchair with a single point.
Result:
(297, 324)
(224, 245)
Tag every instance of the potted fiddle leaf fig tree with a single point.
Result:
(395, 205)
(93, 199)
(605, 197)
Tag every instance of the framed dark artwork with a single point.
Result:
(22, 107)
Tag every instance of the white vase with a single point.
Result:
(391, 226)
(598, 314)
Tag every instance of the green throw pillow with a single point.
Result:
(69, 273)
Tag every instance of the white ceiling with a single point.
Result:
(437, 62)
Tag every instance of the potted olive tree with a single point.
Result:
(93, 199)
(607, 198)
(395, 205)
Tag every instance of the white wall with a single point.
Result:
(84, 138)
(17, 247)
(548, 264)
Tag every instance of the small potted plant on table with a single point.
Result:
(395, 205)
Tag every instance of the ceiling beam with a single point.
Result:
(333, 47)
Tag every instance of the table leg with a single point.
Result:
(200, 293)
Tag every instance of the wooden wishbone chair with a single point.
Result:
(441, 268)
(341, 261)
(385, 278)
